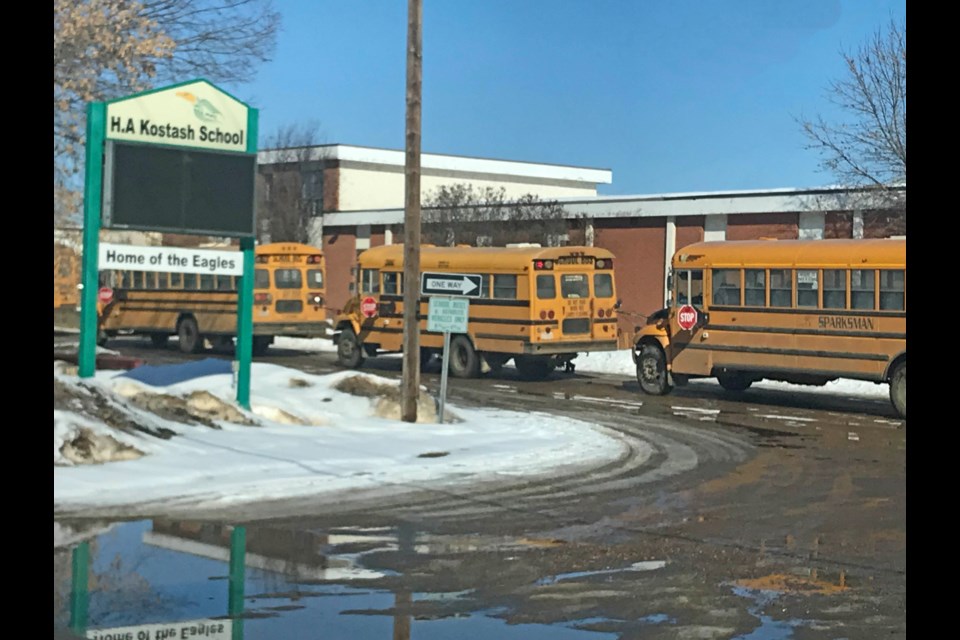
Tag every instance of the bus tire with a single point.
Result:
(898, 388)
(464, 360)
(189, 335)
(260, 345)
(652, 370)
(734, 381)
(349, 353)
(159, 340)
(102, 338)
(533, 367)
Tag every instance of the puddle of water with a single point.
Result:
(150, 580)
(769, 628)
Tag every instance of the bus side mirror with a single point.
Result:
(619, 302)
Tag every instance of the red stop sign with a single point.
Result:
(105, 295)
(368, 307)
(687, 317)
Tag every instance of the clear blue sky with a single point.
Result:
(686, 95)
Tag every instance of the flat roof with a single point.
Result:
(466, 164)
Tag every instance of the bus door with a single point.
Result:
(603, 307)
(288, 288)
(576, 308)
(688, 319)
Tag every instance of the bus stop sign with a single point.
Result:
(687, 317)
(368, 307)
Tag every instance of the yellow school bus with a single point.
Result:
(288, 299)
(66, 277)
(800, 311)
(538, 306)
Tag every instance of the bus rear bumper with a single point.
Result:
(293, 330)
(539, 348)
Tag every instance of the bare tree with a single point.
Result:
(461, 214)
(104, 49)
(290, 184)
(867, 147)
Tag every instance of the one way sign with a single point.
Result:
(450, 284)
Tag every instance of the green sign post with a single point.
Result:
(179, 159)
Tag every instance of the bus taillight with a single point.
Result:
(262, 298)
(603, 263)
(313, 259)
(542, 265)
(314, 299)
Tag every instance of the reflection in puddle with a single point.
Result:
(151, 580)
(769, 628)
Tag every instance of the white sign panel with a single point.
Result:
(172, 259)
(206, 629)
(447, 314)
(191, 115)
(451, 284)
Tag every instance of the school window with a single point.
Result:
(149, 280)
(603, 285)
(574, 285)
(391, 283)
(288, 279)
(137, 280)
(261, 279)
(781, 287)
(315, 278)
(807, 287)
(755, 287)
(505, 287)
(546, 287)
(206, 282)
(190, 281)
(370, 280)
(892, 290)
(726, 287)
(225, 283)
(834, 289)
(862, 289)
(176, 280)
(162, 281)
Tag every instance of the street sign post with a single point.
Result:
(467, 285)
(447, 314)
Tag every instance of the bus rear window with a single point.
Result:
(261, 279)
(574, 285)
(314, 279)
(288, 279)
(546, 287)
(603, 285)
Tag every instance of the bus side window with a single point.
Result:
(754, 287)
(834, 289)
(781, 287)
(391, 282)
(176, 280)
(206, 281)
(370, 281)
(862, 289)
(726, 287)
(892, 290)
(807, 287)
(190, 281)
(162, 281)
(546, 287)
(485, 285)
(696, 288)
(505, 286)
(224, 283)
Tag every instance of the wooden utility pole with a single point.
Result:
(410, 386)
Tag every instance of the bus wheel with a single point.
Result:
(533, 367)
(898, 389)
(733, 381)
(464, 361)
(189, 335)
(159, 340)
(101, 338)
(349, 353)
(260, 345)
(652, 370)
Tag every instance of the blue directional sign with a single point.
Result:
(451, 284)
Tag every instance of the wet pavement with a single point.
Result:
(763, 516)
